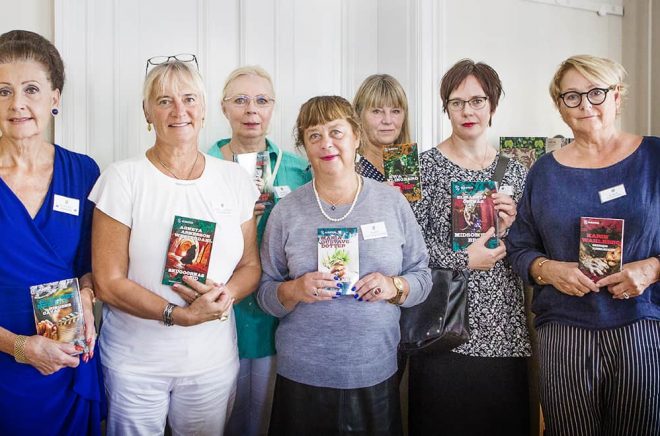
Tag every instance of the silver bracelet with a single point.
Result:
(167, 314)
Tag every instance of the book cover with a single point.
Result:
(601, 247)
(472, 213)
(552, 144)
(58, 311)
(257, 164)
(338, 254)
(525, 149)
(189, 251)
(401, 165)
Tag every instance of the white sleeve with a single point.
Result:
(112, 195)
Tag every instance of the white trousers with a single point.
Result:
(139, 404)
(254, 397)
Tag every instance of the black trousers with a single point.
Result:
(300, 409)
(453, 394)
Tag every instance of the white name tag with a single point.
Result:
(281, 191)
(506, 189)
(222, 209)
(66, 205)
(612, 193)
(374, 230)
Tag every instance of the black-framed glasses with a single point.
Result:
(456, 104)
(595, 96)
(242, 100)
(181, 57)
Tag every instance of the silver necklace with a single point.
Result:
(481, 164)
(172, 172)
(329, 218)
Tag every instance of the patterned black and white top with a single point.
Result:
(495, 299)
(365, 168)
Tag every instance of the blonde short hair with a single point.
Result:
(176, 73)
(380, 90)
(593, 68)
(248, 70)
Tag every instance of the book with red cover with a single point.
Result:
(601, 247)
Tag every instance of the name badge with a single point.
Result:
(506, 189)
(222, 209)
(374, 230)
(66, 205)
(612, 193)
(281, 191)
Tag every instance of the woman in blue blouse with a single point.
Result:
(46, 387)
(598, 340)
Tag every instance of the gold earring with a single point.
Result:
(148, 127)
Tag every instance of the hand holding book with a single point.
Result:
(506, 211)
(208, 301)
(633, 279)
(566, 277)
(481, 257)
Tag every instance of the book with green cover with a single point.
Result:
(472, 213)
(189, 251)
(401, 165)
(525, 149)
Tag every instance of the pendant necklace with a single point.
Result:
(333, 207)
(172, 172)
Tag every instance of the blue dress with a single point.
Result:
(52, 246)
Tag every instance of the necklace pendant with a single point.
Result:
(333, 207)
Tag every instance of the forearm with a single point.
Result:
(7, 341)
(129, 297)
(244, 281)
(271, 302)
(287, 294)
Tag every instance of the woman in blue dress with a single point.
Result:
(46, 387)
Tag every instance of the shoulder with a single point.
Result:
(651, 145)
(81, 161)
(214, 150)
(516, 169)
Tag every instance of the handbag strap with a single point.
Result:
(498, 175)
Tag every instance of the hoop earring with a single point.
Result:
(148, 127)
(54, 111)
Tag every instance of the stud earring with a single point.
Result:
(54, 111)
(148, 127)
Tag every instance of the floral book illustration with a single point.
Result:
(338, 254)
(401, 165)
(601, 247)
(525, 149)
(257, 164)
(189, 251)
(58, 311)
(472, 213)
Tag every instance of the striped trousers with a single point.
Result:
(600, 382)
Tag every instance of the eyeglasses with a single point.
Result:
(241, 100)
(456, 104)
(595, 96)
(181, 57)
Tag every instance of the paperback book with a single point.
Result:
(401, 165)
(189, 251)
(58, 311)
(338, 254)
(525, 149)
(472, 213)
(552, 144)
(601, 247)
(257, 164)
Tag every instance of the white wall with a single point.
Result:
(310, 47)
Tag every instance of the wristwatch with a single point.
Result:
(398, 284)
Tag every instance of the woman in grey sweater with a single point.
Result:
(337, 342)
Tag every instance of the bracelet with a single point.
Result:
(91, 291)
(167, 314)
(540, 279)
(19, 348)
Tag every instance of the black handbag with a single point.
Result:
(442, 320)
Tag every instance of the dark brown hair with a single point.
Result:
(23, 45)
(322, 110)
(485, 75)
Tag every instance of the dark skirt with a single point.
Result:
(300, 409)
(453, 394)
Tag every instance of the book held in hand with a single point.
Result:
(58, 312)
(472, 213)
(401, 165)
(257, 164)
(338, 254)
(601, 247)
(189, 251)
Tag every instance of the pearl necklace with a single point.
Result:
(336, 220)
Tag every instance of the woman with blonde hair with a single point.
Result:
(598, 331)
(382, 106)
(169, 352)
(248, 101)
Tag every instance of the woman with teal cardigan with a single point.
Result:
(247, 102)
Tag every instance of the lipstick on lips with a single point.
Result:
(329, 157)
(468, 124)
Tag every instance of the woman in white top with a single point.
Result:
(169, 352)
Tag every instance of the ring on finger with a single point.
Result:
(196, 295)
(223, 317)
(625, 295)
(376, 291)
(315, 292)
